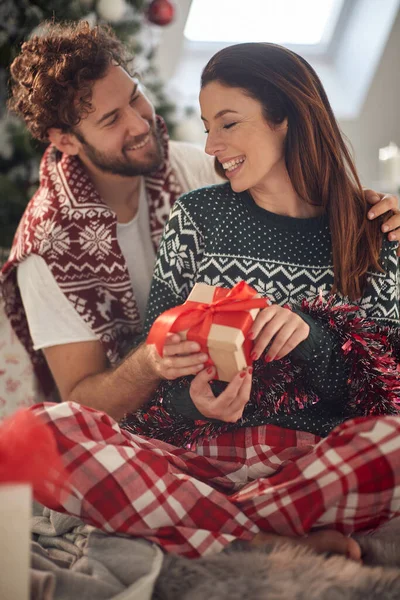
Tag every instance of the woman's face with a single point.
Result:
(250, 150)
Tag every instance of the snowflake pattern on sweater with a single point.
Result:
(75, 232)
(220, 237)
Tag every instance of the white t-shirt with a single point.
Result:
(51, 317)
(137, 248)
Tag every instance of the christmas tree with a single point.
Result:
(20, 155)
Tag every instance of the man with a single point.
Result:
(80, 269)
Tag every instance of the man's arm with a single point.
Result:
(81, 373)
(76, 357)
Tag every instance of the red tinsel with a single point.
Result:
(28, 454)
(373, 352)
(374, 384)
(285, 388)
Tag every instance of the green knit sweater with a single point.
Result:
(220, 237)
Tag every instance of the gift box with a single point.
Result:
(219, 319)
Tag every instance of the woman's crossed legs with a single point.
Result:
(233, 487)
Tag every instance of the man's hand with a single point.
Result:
(284, 328)
(179, 358)
(229, 405)
(82, 374)
(385, 203)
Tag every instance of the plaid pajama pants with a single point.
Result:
(194, 502)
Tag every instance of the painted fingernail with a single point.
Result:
(251, 335)
(242, 374)
(385, 228)
(253, 355)
(250, 370)
(210, 370)
(371, 215)
(268, 359)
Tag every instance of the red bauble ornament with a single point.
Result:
(160, 12)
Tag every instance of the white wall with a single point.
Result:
(379, 121)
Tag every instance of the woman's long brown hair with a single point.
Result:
(318, 162)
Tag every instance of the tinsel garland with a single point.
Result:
(373, 352)
(274, 386)
(394, 343)
(374, 382)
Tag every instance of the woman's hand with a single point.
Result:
(281, 326)
(382, 204)
(180, 358)
(229, 405)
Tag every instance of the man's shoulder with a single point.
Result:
(179, 148)
(44, 211)
(193, 167)
(188, 155)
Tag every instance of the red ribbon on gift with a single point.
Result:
(197, 317)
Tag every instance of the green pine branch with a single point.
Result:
(19, 153)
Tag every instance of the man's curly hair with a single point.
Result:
(53, 77)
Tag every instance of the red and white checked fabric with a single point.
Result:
(195, 502)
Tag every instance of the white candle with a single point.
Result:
(389, 165)
(15, 521)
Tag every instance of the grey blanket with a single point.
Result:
(71, 560)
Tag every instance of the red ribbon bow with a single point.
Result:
(197, 317)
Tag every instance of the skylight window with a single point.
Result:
(289, 22)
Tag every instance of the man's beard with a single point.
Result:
(124, 165)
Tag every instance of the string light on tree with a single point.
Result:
(21, 19)
(111, 10)
(160, 12)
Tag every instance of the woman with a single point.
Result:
(291, 222)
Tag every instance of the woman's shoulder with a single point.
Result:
(210, 198)
(388, 260)
(381, 296)
(388, 255)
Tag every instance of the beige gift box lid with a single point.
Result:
(225, 344)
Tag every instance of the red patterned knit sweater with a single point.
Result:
(73, 230)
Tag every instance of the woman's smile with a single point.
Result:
(232, 167)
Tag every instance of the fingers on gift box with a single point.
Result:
(219, 319)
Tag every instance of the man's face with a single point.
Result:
(120, 135)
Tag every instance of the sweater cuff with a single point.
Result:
(317, 336)
(183, 404)
(179, 401)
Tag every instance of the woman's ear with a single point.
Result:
(65, 142)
